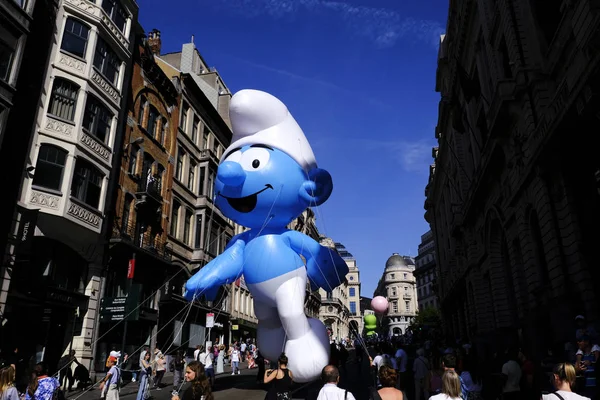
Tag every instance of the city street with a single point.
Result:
(244, 386)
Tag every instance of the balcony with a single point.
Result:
(138, 235)
(149, 191)
(407, 296)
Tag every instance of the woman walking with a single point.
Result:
(282, 379)
(144, 390)
(450, 387)
(199, 388)
(221, 360)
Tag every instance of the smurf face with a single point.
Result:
(258, 184)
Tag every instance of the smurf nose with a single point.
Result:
(231, 174)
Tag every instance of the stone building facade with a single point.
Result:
(334, 304)
(398, 285)
(426, 273)
(355, 324)
(77, 138)
(513, 196)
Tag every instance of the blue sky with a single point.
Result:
(359, 77)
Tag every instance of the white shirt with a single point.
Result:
(142, 356)
(235, 356)
(513, 371)
(565, 395)
(207, 360)
(401, 354)
(196, 354)
(595, 348)
(443, 396)
(331, 392)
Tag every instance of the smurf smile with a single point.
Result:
(245, 204)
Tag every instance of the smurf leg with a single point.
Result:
(270, 333)
(307, 346)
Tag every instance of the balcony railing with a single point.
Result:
(150, 186)
(144, 238)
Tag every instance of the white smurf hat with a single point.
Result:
(260, 118)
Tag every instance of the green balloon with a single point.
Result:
(370, 324)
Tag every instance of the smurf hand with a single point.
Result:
(226, 268)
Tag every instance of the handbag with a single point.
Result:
(284, 396)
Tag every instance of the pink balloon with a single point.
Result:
(379, 304)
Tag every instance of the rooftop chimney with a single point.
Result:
(154, 41)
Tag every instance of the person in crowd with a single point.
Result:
(221, 359)
(8, 391)
(449, 364)
(282, 378)
(451, 387)
(563, 379)
(200, 388)
(260, 362)
(65, 370)
(42, 386)
(471, 378)
(235, 361)
(112, 381)
(207, 359)
(197, 352)
(177, 366)
(512, 373)
(400, 364)
(435, 378)
(330, 376)
(587, 357)
(388, 377)
(421, 369)
(583, 329)
(159, 368)
(145, 374)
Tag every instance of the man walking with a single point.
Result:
(330, 390)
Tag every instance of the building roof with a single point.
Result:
(396, 260)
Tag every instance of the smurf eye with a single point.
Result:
(255, 158)
(236, 156)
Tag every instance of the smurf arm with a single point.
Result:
(226, 268)
(324, 267)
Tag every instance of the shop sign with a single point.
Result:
(235, 327)
(113, 309)
(26, 230)
(210, 320)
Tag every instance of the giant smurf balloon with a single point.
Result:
(266, 178)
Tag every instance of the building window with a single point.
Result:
(184, 117)
(394, 306)
(75, 37)
(394, 293)
(213, 246)
(107, 62)
(142, 111)
(49, 167)
(195, 130)
(175, 217)
(6, 56)
(191, 175)
(126, 214)
(162, 133)
(187, 227)
(115, 11)
(179, 167)
(133, 158)
(63, 99)
(352, 292)
(329, 295)
(97, 119)
(211, 179)
(201, 181)
(87, 183)
(407, 305)
(392, 276)
(153, 117)
(330, 309)
(226, 241)
(405, 275)
(353, 308)
(405, 289)
(205, 133)
(198, 238)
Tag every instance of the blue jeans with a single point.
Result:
(143, 386)
(235, 367)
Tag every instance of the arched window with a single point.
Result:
(175, 217)
(133, 159)
(87, 183)
(142, 110)
(63, 99)
(75, 37)
(153, 118)
(50, 167)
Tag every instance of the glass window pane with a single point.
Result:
(49, 168)
(87, 183)
(6, 54)
(75, 37)
(63, 99)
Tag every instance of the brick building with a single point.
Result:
(143, 200)
(513, 196)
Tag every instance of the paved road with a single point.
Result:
(355, 378)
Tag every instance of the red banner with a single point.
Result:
(131, 269)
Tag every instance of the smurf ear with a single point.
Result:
(317, 188)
